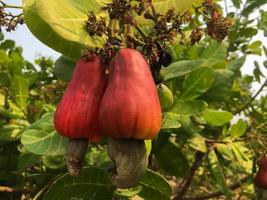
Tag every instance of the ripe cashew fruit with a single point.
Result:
(76, 116)
(261, 177)
(130, 107)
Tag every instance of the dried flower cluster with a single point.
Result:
(8, 20)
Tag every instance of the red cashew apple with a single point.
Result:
(261, 177)
(129, 114)
(76, 116)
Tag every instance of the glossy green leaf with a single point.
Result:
(198, 143)
(225, 150)
(64, 68)
(236, 3)
(188, 107)
(197, 82)
(214, 53)
(252, 5)
(217, 174)
(243, 156)
(122, 193)
(262, 24)
(26, 160)
(60, 24)
(217, 117)
(238, 129)
(4, 59)
(237, 63)
(221, 87)
(148, 144)
(2, 100)
(41, 138)
(7, 44)
(20, 88)
(11, 132)
(93, 183)
(170, 121)
(54, 162)
(154, 187)
(172, 160)
(180, 68)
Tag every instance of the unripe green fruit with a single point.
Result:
(165, 97)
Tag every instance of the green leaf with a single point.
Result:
(243, 156)
(64, 68)
(128, 192)
(238, 129)
(225, 150)
(214, 53)
(180, 68)
(93, 183)
(11, 132)
(262, 24)
(170, 120)
(2, 100)
(198, 143)
(26, 160)
(221, 87)
(197, 82)
(20, 88)
(217, 174)
(172, 160)
(4, 79)
(188, 107)
(148, 144)
(237, 64)
(7, 44)
(4, 59)
(16, 63)
(253, 5)
(41, 138)
(60, 24)
(54, 162)
(217, 117)
(236, 3)
(155, 187)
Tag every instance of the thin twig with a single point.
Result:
(5, 189)
(218, 193)
(252, 98)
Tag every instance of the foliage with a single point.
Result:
(209, 138)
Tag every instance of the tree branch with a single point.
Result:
(186, 184)
(218, 193)
(5, 189)
(252, 98)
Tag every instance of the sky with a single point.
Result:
(33, 48)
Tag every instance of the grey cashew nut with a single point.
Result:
(76, 152)
(131, 160)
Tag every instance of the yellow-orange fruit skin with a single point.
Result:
(76, 115)
(130, 107)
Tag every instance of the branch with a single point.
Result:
(10, 6)
(218, 193)
(198, 159)
(252, 98)
(5, 189)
